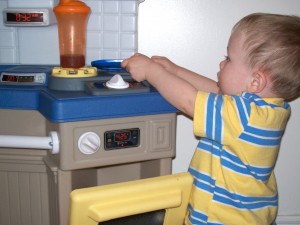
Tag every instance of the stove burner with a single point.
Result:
(101, 88)
(117, 82)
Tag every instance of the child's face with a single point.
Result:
(235, 74)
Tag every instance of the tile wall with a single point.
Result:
(111, 34)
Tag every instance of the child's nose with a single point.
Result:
(222, 63)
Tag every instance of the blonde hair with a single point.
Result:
(272, 45)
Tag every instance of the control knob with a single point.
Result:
(89, 143)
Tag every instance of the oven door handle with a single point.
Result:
(50, 142)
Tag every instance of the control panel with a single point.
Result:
(118, 139)
(23, 79)
(95, 143)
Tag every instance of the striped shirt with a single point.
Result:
(233, 164)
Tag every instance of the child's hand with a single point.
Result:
(138, 66)
(165, 63)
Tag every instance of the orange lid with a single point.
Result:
(71, 6)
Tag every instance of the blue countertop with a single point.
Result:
(66, 106)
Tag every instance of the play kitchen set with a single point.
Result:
(73, 126)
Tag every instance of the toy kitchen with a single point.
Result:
(70, 116)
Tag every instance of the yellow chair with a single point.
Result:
(154, 201)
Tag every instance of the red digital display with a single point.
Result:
(119, 139)
(24, 17)
(122, 136)
(14, 78)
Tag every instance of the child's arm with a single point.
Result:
(174, 89)
(200, 82)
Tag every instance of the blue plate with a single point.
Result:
(108, 64)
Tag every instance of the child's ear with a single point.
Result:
(258, 82)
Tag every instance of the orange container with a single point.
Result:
(72, 17)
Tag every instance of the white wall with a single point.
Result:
(194, 34)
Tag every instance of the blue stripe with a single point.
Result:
(241, 205)
(234, 163)
(209, 146)
(263, 132)
(210, 112)
(211, 223)
(237, 160)
(218, 119)
(203, 186)
(223, 196)
(201, 176)
(197, 217)
(260, 140)
(246, 199)
(236, 168)
(243, 110)
(261, 170)
(203, 181)
(286, 105)
(260, 102)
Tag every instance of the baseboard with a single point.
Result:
(288, 219)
